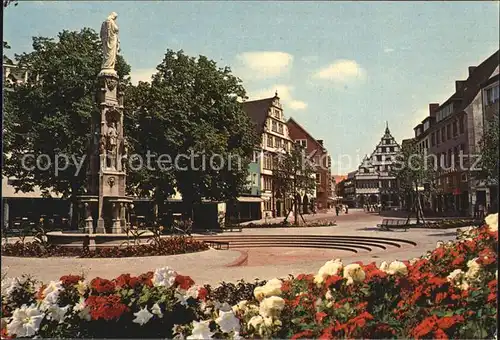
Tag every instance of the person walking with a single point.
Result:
(337, 210)
(346, 209)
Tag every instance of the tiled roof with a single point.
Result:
(258, 110)
(468, 91)
(307, 133)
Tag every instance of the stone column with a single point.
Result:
(116, 228)
(123, 219)
(89, 222)
(5, 213)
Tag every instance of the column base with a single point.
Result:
(89, 225)
(116, 228)
(100, 226)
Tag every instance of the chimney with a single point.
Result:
(471, 69)
(433, 109)
(459, 85)
(320, 141)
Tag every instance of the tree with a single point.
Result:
(6, 3)
(294, 174)
(192, 108)
(415, 174)
(489, 151)
(51, 113)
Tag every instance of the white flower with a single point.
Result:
(201, 330)
(455, 275)
(51, 293)
(474, 269)
(225, 307)
(496, 274)
(354, 273)
(193, 292)
(492, 222)
(384, 266)
(329, 296)
(9, 284)
(271, 288)
(82, 310)
(255, 322)
(271, 306)
(156, 310)
(164, 277)
(237, 336)
(81, 287)
(414, 260)
(240, 306)
(142, 316)
(182, 299)
(331, 267)
(439, 244)
(25, 321)
(56, 313)
(397, 267)
(228, 322)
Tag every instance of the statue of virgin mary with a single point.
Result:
(110, 42)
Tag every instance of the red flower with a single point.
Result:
(184, 282)
(449, 321)
(202, 294)
(286, 286)
(146, 279)
(303, 335)
(425, 327)
(106, 307)
(320, 316)
(304, 277)
(102, 285)
(440, 334)
(39, 294)
(69, 280)
(333, 280)
(126, 281)
(458, 261)
(4, 334)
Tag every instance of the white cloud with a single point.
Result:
(310, 59)
(388, 50)
(285, 92)
(342, 71)
(141, 74)
(262, 65)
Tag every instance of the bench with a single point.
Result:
(219, 245)
(388, 224)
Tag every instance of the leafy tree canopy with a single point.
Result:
(489, 150)
(191, 107)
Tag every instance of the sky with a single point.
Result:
(341, 69)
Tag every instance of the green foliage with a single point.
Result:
(50, 114)
(489, 150)
(294, 174)
(190, 107)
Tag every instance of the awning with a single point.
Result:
(249, 199)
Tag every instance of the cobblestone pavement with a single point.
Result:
(264, 263)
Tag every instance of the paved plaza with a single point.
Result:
(214, 266)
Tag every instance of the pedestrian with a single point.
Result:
(337, 210)
(346, 209)
(481, 211)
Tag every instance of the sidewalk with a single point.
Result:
(328, 215)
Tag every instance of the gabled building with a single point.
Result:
(270, 124)
(316, 151)
(374, 182)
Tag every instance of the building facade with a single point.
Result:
(317, 152)
(374, 182)
(450, 135)
(267, 115)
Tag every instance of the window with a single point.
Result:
(461, 124)
(492, 95)
(277, 113)
(268, 183)
(388, 158)
(443, 134)
(438, 141)
(256, 155)
(268, 162)
(270, 141)
(391, 149)
(448, 131)
(274, 127)
(318, 178)
(301, 142)
(379, 158)
(426, 143)
(277, 142)
(280, 128)
(387, 141)
(455, 128)
(433, 139)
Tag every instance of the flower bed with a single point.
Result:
(290, 225)
(156, 247)
(448, 293)
(453, 224)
